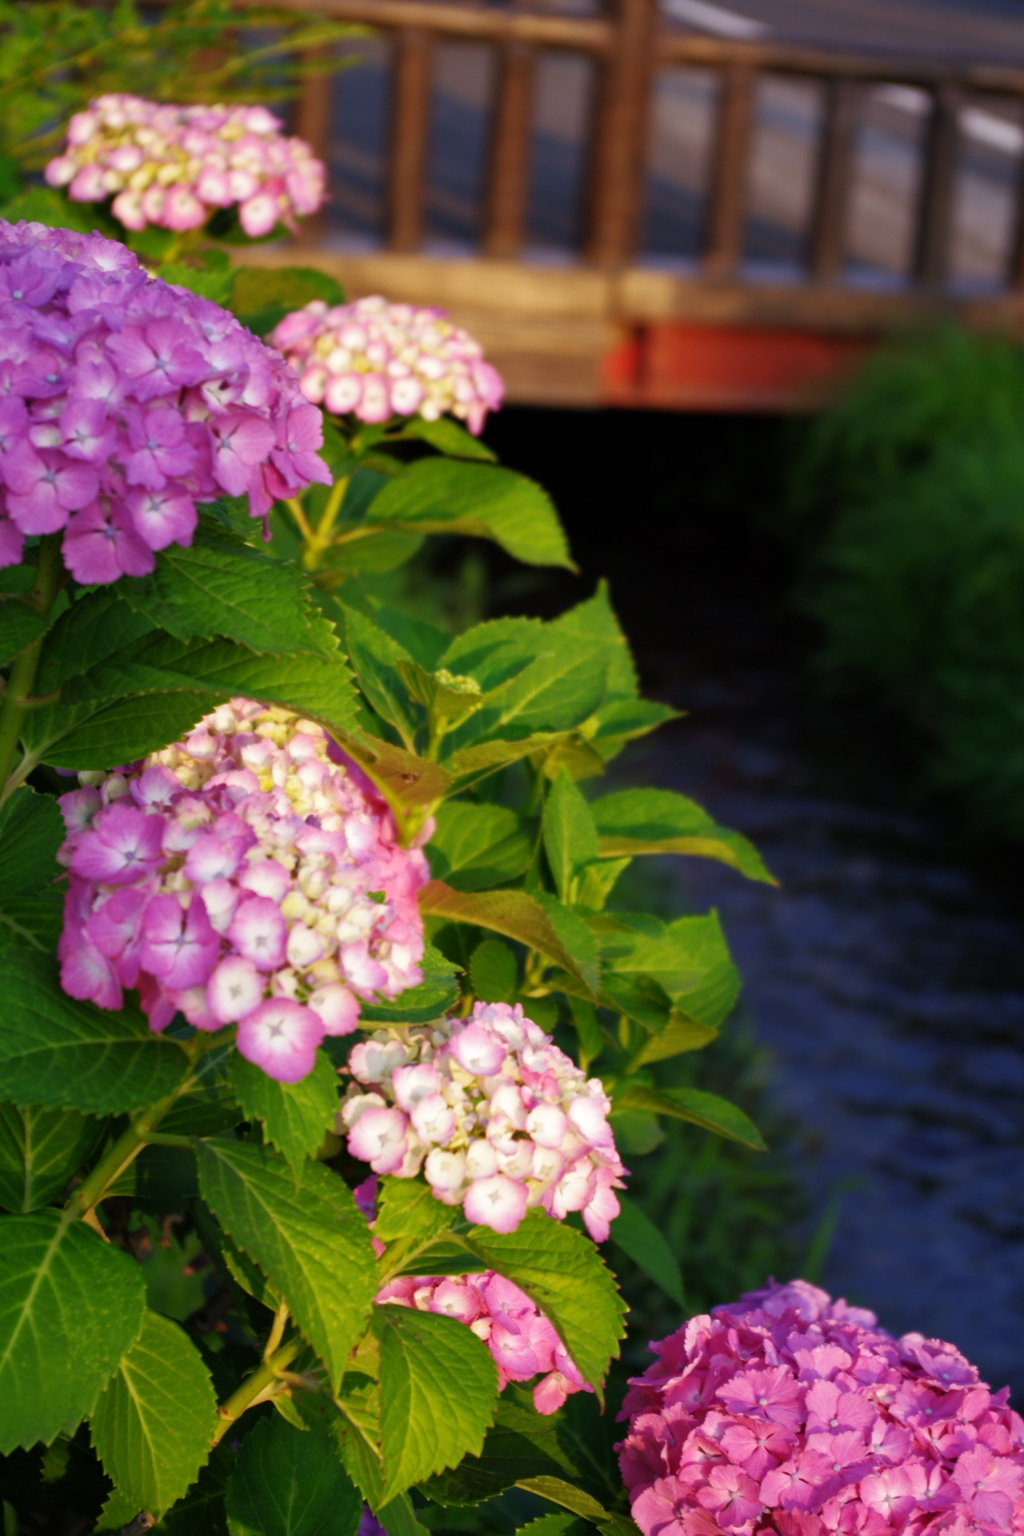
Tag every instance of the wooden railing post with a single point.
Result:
(619, 137)
(410, 110)
(508, 172)
(729, 177)
(935, 210)
(835, 165)
(313, 123)
(1015, 262)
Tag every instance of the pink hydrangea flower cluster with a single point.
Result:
(249, 874)
(790, 1413)
(521, 1340)
(172, 166)
(125, 400)
(498, 1118)
(378, 360)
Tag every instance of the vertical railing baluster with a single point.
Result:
(615, 174)
(313, 123)
(410, 112)
(508, 171)
(729, 175)
(835, 165)
(930, 266)
(1015, 260)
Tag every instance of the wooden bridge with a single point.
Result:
(605, 324)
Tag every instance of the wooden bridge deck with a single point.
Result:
(603, 323)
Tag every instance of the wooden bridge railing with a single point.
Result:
(629, 44)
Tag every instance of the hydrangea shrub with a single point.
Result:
(298, 891)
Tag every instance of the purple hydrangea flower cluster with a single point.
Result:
(172, 166)
(376, 360)
(787, 1412)
(249, 874)
(521, 1340)
(125, 400)
(498, 1118)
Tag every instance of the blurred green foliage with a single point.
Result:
(908, 497)
(57, 54)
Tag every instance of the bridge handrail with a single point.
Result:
(629, 43)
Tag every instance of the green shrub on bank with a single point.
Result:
(910, 494)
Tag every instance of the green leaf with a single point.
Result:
(215, 286)
(40, 1149)
(154, 1422)
(398, 1517)
(19, 626)
(570, 839)
(477, 846)
(537, 677)
(441, 495)
(96, 626)
(539, 922)
(31, 831)
(680, 1034)
(99, 735)
(57, 1051)
(305, 1233)
(375, 657)
(296, 1116)
(556, 1525)
(660, 821)
(705, 1109)
(636, 1234)
(521, 1443)
(289, 1482)
(45, 205)
(314, 685)
(621, 720)
(439, 1389)
(435, 995)
(408, 1208)
(447, 436)
(219, 585)
(201, 1511)
(558, 1491)
(562, 1271)
(493, 972)
(70, 1306)
(262, 296)
(685, 964)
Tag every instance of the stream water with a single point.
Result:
(885, 973)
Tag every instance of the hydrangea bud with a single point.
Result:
(790, 1413)
(125, 401)
(172, 166)
(248, 875)
(495, 1115)
(376, 360)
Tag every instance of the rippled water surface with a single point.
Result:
(886, 976)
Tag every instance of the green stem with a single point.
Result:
(263, 1377)
(276, 1333)
(317, 542)
(18, 694)
(136, 1135)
